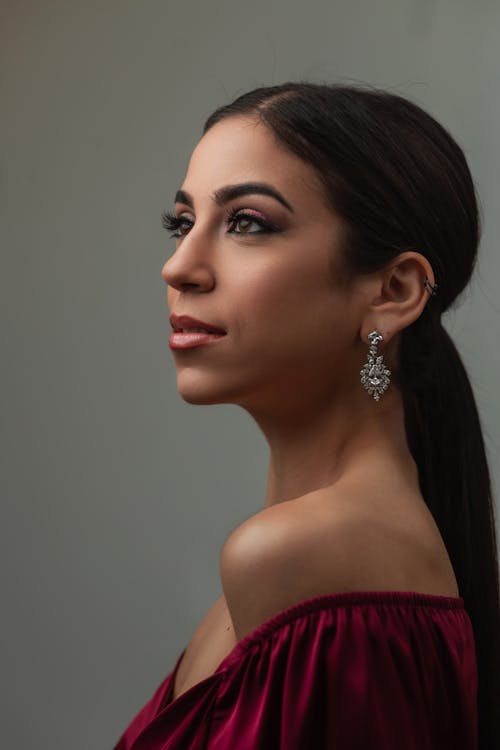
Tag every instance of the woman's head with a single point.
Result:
(377, 197)
(393, 174)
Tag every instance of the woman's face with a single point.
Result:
(292, 336)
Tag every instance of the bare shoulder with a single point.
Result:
(326, 543)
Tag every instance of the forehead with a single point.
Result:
(242, 149)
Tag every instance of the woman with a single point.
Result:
(321, 231)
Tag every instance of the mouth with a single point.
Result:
(186, 324)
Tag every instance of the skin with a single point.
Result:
(296, 341)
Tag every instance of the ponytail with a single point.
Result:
(446, 440)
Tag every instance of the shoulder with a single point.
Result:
(300, 549)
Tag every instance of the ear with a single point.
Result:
(400, 296)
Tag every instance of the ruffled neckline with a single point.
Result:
(307, 606)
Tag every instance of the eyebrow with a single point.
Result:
(229, 192)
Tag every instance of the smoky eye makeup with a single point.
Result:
(249, 216)
(233, 217)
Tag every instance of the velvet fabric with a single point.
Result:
(369, 670)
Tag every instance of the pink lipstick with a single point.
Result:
(190, 332)
(189, 340)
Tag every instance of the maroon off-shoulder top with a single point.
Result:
(369, 670)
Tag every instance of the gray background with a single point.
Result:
(117, 496)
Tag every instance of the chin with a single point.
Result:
(200, 399)
(199, 392)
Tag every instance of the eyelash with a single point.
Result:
(172, 223)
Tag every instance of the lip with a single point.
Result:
(186, 321)
(191, 340)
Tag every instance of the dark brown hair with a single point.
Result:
(401, 182)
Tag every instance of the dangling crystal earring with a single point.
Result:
(374, 375)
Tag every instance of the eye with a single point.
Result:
(173, 223)
(179, 227)
(246, 219)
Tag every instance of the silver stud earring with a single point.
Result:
(374, 375)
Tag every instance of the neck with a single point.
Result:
(317, 446)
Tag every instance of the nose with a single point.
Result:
(191, 264)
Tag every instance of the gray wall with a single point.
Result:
(111, 533)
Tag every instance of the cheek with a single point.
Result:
(285, 304)
(286, 275)
(267, 293)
